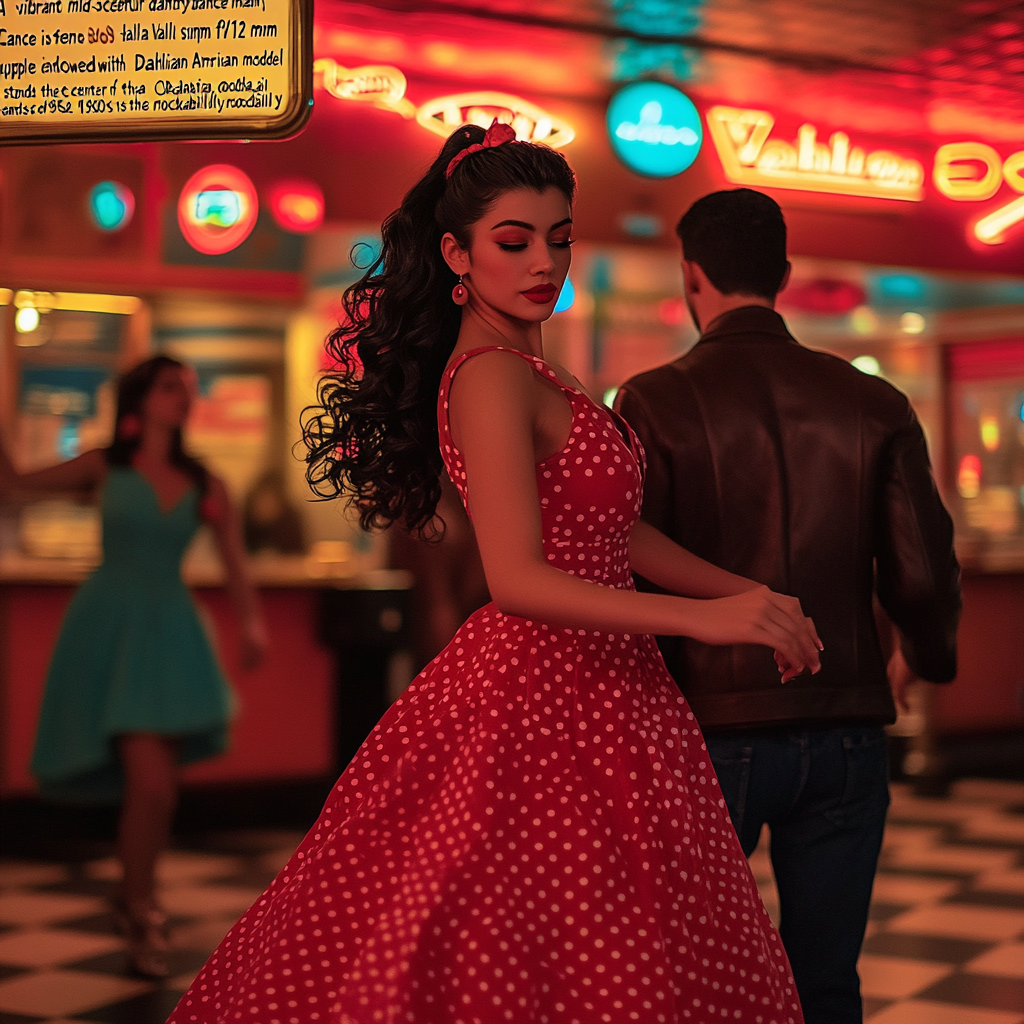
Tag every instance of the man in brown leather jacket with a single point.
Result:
(791, 467)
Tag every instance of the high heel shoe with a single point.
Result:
(145, 934)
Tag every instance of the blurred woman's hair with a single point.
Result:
(132, 389)
(373, 437)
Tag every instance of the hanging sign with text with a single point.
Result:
(126, 70)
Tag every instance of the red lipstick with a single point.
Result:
(541, 294)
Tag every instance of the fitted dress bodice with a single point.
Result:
(142, 544)
(590, 491)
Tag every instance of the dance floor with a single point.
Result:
(945, 944)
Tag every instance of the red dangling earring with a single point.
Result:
(459, 294)
(130, 427)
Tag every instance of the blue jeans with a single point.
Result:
(824, 794)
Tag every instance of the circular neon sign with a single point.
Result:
(217, 209)
(111, 205)
(654, 129)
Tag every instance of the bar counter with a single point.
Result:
(284, 728)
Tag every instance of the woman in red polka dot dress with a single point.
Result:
(533, 833)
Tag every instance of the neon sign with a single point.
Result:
(297, 205)
(384, 86)
(974, 172)
(380, 84)
(654, 129)
(532, 124)
(111, 205)
(751, 157)
(217, 209)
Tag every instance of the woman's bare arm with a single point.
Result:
(222, 517)
(495, 403)
(79, 475)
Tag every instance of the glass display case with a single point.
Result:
(986, 428)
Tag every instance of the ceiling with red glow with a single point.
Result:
(912, 67)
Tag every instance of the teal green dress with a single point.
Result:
(132, 655)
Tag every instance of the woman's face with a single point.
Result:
(169, 400)
(519, 254)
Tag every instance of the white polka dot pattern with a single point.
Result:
(532, 834)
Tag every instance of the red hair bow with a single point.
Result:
(497, 135)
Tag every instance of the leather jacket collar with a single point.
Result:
(752, 323)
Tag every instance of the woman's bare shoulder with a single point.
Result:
(492, 371)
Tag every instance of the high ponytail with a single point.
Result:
(373, 436)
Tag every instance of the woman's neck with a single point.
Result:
(154, 444)
(482, 325)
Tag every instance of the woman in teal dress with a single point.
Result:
(134, 688)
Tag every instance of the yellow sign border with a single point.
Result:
(284, 125)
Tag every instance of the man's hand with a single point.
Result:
(900, 677)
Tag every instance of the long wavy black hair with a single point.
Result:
(373, 437)
(132, 388)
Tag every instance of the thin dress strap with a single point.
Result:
(449, 452)
(535, 361)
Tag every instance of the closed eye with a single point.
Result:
(564, 244)
(512, 246)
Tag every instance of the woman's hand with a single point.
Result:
(761, 616)
(254, 642)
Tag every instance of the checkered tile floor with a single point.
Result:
(945, 944)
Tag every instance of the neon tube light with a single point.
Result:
(79, 302)
(967, 170)
(991, 227)
(531, 123)
(751, 157)
(380, 84)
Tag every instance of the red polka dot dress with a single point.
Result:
(533, 833)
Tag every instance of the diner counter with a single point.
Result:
(201, 571)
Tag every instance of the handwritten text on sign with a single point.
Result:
(88, 69)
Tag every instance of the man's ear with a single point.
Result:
(785, 276)
(692, 275)
(454, 255)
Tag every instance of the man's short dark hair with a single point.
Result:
(738, 238)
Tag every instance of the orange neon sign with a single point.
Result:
(384, 86)
(750, 156)
(380, 84)
(973, 172)
(531, 123)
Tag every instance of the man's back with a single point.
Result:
(793, 468)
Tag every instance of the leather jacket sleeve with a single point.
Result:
(918, 575)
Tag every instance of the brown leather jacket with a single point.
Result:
(793, 468)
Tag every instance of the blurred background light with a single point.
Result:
(642, 225)
(864, 320)
(26, 320)
(867, 364)
(988, 427)
(968, 479)
(111, 205)
(297, 205)
(912, 323)
(566, 297)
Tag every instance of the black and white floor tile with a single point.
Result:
(945, 944)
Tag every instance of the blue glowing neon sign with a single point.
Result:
(111, 205)
(654, 129)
